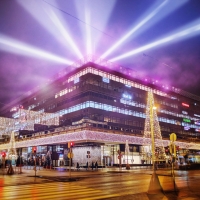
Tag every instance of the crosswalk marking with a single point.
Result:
(55, 190)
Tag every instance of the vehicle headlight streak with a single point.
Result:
(177, 36)
(29, 50)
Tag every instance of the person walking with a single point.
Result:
(92, 165)
(77, 166)
(87, 166)
(96, 165)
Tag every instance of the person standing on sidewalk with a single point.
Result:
(87, 166)
(96, 165)
(92, 165)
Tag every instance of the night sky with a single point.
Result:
(33, 33)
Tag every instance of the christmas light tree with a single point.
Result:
(152, 132)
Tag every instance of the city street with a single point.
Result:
(108, 183)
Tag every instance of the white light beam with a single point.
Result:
(152, 14)
(29, 50)
(177, 36)
(65, 34)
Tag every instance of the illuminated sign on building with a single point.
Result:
(185, 104)
(197, 129)
(127, 96)
(186, 128)
(173, 98)
(197, 122)
(106, 80)
(186, 120)
(128, 86)
(196, 115)
(76, 80)
(184, 112)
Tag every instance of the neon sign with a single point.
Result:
(196, 115)
(76, 80)
(197, 122)
(186, 120)
(186, 128)
(127, 96)
(106, 80)
(186, 105)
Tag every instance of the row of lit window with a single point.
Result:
(106, 107)
(136, 104)
(167, 104)
(114, 78)
(128, 102)
(65, 91)
(122, 121)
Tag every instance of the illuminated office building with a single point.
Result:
(101, 108)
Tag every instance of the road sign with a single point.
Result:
(173, 137)
(70, 155)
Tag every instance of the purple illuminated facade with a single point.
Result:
(101, 108)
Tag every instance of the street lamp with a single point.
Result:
(152, 109)
(154, 187)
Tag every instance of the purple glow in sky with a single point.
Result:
(154, 38)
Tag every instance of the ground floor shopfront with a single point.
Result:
(82, 153)
(105, 148)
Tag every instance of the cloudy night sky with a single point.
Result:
(156, 39)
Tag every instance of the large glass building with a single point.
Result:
(101, 109)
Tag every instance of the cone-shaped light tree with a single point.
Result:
(12, 150)
(152, 132)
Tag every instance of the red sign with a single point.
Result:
(186, 105)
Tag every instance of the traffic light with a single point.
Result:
(70, 144)
(34, 149)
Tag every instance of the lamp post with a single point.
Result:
(154, 187)
(152, 108)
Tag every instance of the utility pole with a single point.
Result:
(70, 156)
(172, 148)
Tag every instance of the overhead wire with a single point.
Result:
(157, 60)
(77, 19)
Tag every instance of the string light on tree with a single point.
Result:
(152, 129)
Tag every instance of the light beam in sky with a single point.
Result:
(150, 16)
(97, 21)
(134, 29)
(88, 33)
(36, 9)
(14, 46)
(64, 33)
(191, 31)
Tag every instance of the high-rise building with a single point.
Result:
(100, 109)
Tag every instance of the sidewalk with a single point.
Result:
(62, 175)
